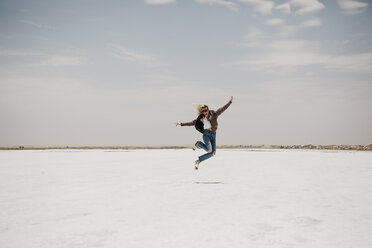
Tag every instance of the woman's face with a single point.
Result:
(205, 111)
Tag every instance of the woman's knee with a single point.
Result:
(213, 152)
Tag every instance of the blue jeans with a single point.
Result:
(209, 139)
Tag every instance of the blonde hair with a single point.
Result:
(199, 108)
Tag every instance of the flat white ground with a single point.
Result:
(154, 198)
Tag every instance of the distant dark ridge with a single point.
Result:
(306, 147)
(312, 147)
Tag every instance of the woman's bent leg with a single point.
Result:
(210, 152)
(206, 145)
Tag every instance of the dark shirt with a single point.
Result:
(199, 124)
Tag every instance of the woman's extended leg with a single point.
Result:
(213, 143)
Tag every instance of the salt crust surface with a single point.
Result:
(154, 198)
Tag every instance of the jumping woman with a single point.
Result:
(206, 123)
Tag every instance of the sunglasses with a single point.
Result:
(204, 110)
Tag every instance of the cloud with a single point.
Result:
(306, 6)
(262, 6)
(359, 63)
(352, 6)
(343, 42)
(291, 53)
(285, 7)
(19, 53)
(253, 34)
(58, 61)
(297, 53)
(290, 30)
(228, 4)
(311, 23)
(44, 59)
(37, 25)
(286, 53)
(253, 38)
(159, 2)
(275, 21)
(257, 37)
(126, 54)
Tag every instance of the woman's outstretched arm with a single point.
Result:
(221, 110)
(191, 123)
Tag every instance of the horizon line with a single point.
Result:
(308, 146)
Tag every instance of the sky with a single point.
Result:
(119, 73)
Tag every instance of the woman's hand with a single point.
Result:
(231, 99)
(178, 124)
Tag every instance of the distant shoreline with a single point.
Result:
(296, 147)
